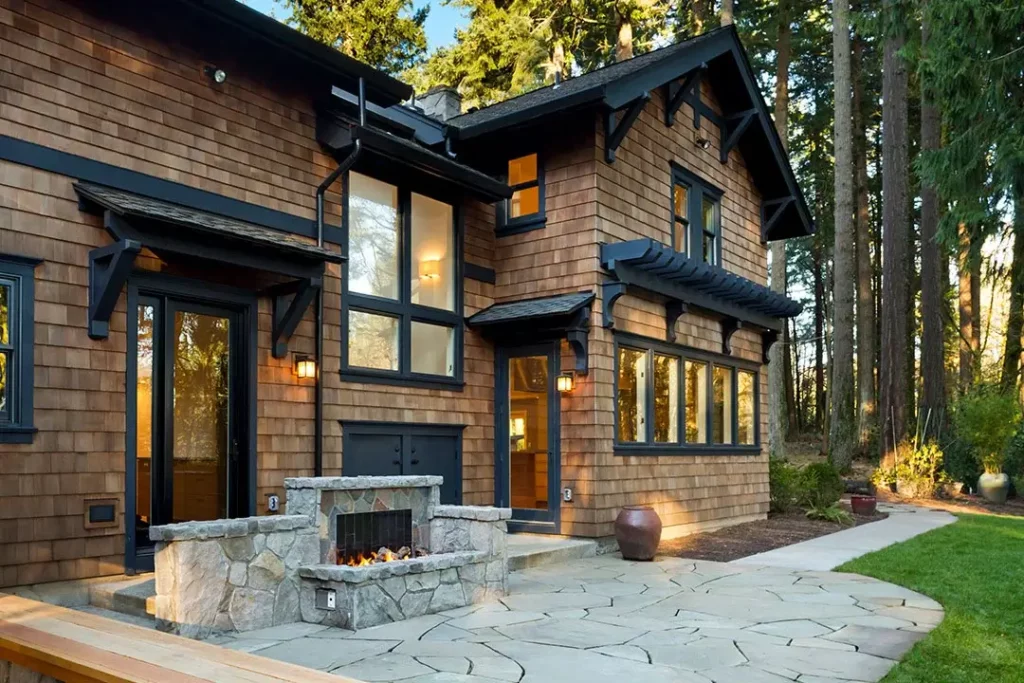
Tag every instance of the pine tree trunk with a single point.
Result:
(819, 336)
(1015, 320)
(892, 377)
(866, 404)
(624, 42)
(933, 372)
(780, 402)
(966, 296)
(727, 18)
(842, 429)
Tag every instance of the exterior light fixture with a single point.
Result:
(703, 142)
(216, 75)
(430, 270)
(305, 367)
(566, 381)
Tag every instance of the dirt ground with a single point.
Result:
(734, 542)
(961, 503)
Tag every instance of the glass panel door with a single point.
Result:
(527, 462)
(146, 389)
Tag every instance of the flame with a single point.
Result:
(362, 560)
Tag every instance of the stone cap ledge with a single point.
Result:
(356, 483)
(227, 528)
(478, 513)
(375, 572)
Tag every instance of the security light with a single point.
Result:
(216, 75)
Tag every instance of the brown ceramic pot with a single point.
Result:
(863, 505)
(638, 531)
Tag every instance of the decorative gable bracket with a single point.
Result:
(771, 212)
(288, 312)
(676, 94)
(733, 129)
(615, 129)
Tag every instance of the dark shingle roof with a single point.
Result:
(579, 87)
(130, 204)
(531, 309)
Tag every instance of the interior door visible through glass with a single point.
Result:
(528, 432)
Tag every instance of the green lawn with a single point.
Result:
(975, 568)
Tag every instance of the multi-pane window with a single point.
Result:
(671, 398)
(402, 294)
(525, 209)
(16, 337)
(696, 217)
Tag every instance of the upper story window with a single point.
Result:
(672, 399)
(525, 209)
(696, 217)
(16, 342)
(402, 288)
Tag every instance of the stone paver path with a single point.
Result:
(602, 619)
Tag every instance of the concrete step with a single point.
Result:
(135, 596)
(145, 622)
(535, 550)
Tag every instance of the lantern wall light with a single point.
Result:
(305, 367)
(566, 381)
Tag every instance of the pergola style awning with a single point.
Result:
(136, 222)
(562, 316)
(648, 265)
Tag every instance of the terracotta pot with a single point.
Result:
(638, 531)
(863, 505)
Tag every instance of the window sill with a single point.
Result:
(418, 381)
(17, 434)
(522, 225)
(672, 449)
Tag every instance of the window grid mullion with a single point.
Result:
(405, 247)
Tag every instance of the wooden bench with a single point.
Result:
(77, 647)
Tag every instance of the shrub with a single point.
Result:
(783, 484)
(960, 461)
(831, 513)
(988, 420)
(820, 485)
(1013, 463)
(919, 470)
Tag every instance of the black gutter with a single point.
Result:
(318, 405)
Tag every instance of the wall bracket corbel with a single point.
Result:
(768, 338)
(729, 327)
(288, 312)
(615, 129)
(673, 310)
(610, 293)
(109, 268)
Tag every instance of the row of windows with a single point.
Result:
(673, 399)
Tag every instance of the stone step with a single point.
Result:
(135, 596)
(535, 550)
(145, 622)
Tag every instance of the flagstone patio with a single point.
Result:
(604, 619)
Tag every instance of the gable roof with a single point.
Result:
(617, 85)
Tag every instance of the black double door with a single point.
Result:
(405, 449)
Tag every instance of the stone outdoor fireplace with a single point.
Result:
(351, 552)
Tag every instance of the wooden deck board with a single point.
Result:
(75, 646)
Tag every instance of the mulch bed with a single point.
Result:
(960, 503)
(741, 540)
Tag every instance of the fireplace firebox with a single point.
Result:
(362, 534)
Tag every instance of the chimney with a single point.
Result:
(442, 102)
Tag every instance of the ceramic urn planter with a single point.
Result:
(994, 487)
(638, 531)
(863, 505)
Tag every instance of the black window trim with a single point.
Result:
(684, 353)
(19, 271)
(403, 308)
(533, 221)
(697, 189)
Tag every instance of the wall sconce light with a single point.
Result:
(702, 142)
(566, 381)
(305, 367)
(430, 270)
(216, 75)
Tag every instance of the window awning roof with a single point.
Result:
(562, 316)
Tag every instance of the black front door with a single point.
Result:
(191, 415)
(527, 436)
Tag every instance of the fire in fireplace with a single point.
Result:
(372, 537)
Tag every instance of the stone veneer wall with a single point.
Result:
(322, 499)
(231, 575)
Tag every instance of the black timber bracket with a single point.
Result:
(673, 310)
(109, 268)
(615, 129)
(771, 212)
(736, 125)
(729, 327)
(288, 312)
(676, 94)
(768, 338)
(578, 336)
(610, 293)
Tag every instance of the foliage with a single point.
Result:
(973, 569)
(783, 484)
(919, 469)
(387, 34)
(831, 513)
(988, 420)
(883, 477)
(820, 485)
(1013, 463)
(960, 460)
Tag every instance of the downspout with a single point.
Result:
(318, 405)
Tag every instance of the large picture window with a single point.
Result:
(16, 348)
(674, 399)
(402, 292)
(696, 217)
